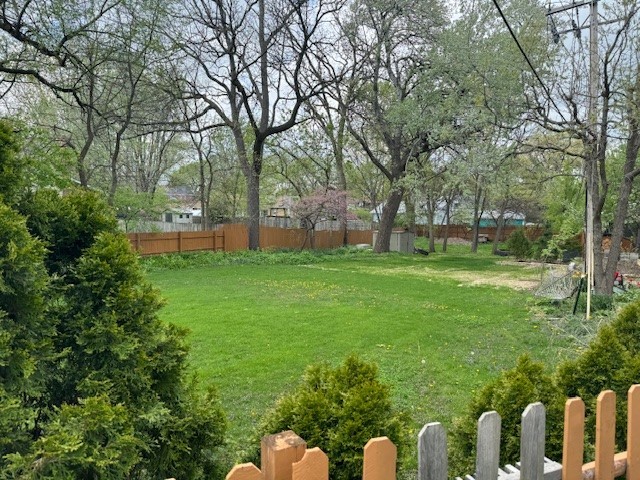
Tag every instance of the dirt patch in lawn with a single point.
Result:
(465, 277)
(497, 280)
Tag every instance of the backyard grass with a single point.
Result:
(438, 327)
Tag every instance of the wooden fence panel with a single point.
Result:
(154, 243)
(573, 441)
(284, 456)
(432, 453)
(633, 433)
(236, 237)
(313, 466)
(244, 471)
(356, 237)
(605, 435)
(203, 240)
(532, 442)
(278, 453)
(465, 232)
(488, 446)
(273, 237)
(380, 455)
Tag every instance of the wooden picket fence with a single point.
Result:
(285, 457)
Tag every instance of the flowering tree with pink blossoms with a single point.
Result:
(320, 205)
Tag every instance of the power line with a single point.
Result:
(526, 57)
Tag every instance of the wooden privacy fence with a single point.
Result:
(232, 237)
(285, 457)
(465, 231)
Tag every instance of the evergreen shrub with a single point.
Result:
(519, 245)
(339, 410)
(509, 395)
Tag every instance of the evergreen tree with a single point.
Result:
(93, 384)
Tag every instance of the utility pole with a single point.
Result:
(592, 156)
(591, 161)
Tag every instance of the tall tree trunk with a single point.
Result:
(253, 209)
(114, 167)
(605, 283)
(499, 230)
(204, 211)
(81, 162)
(389, 212)
(341, 177)
(478, 208)
(432, 232)
(447, 220)
(410, 213)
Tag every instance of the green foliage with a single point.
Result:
(177, 261)
(93, 439)
(12, 165)
(68, 224)
(339, 410)
(539, 246)
(94, 385)
(113, 343)
(48, 163)
(110, 329)
(133, 208)
(23, 283)
(25, 333)
(509, 395)
(611, 361)
(519, 245)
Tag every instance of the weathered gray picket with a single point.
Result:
(533, 465)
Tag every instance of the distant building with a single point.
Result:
(511, 219)
(439, 217)
(177, 215)
(281, 208)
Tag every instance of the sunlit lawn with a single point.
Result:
(435, 331)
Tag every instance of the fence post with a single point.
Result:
(532, 442)
(313, 466)
(379, 461)
(278, 454)
(138, 243)
(605, 435)
(573, 440)
(488, 446)
(432, 453)
(179, 242)
(633, 433)
(244, 471)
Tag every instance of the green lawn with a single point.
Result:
(438, 326)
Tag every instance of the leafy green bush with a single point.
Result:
(25, 332)
(12, 166)
(519, 245)
(67, 224)
(93, 439)
(540, 245)
(611, 361)
(92, 383)
(509, 395)
(339, 410)
(176, 261)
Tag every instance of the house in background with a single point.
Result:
(281, 208)
(178, 215)
(511, 219)
(439, 217)
(183, 207)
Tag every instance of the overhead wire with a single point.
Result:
(526, 57)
